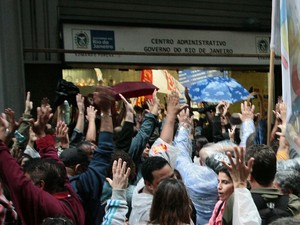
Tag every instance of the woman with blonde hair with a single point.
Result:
(171, 204)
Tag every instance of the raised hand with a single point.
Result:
(28, 104)
(128, 106)
(173, 107)
(120, 175)
(282, 110)
(80, 103)
(231, 133)
(45, 102)
(10, 116)
(153, 105)
(237, 168)
(247, 111)
(220, 108)
(225, 108)
(129, 109)
(185, 120)
(91, 113)
(4, 131)
(62, 136)
(43, 116)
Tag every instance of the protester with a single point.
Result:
(116, 208)
(132, 146)
(244, 208)
(141, 187)
(262, 190)
(171, 204)
(221, 122)
(154, 170)
(200, 181)
(225, 189)
(87, 178)
(49, 194)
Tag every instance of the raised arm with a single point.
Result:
(91, 181)
(22, 133)
(81, 109)
(244, 208)
(116, 208)
(140, 141)
(77, 134)
(45, 142)
(21, 187)
(182, 138)
(91, 113)
(248, 127)
(62, 136)
(217, 127)
(173, 109)
(126, 134)
(200, 181)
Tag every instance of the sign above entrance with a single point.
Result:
(164, 46)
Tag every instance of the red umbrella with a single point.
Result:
(133, 89)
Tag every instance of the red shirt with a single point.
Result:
(31, 202)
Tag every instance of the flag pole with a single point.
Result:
(274, 17)
(270, 94)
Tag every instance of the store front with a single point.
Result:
(109, 55)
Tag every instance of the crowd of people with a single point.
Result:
(102, 164)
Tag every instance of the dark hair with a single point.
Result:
(275, 145)
(288, 181)
(200, 141)
(286, 221)
(171, 203)
(82, 144)
(60, 220)
(24, 156)
(264, 167)
(125, 158)
(50, 171)
(151, 164)
(73, 156)
(223, 169)
(177, 174)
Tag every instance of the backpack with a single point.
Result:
(273, 208)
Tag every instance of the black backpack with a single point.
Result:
(273, 208)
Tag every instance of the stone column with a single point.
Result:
(12, 81)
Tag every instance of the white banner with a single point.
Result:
(163, 41)
(290, 53)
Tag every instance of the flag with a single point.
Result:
(166, 82)
(146, 76)
(290, 64)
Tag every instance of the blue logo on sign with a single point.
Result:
(103, 40)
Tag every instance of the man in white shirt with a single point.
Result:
(154, 170)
